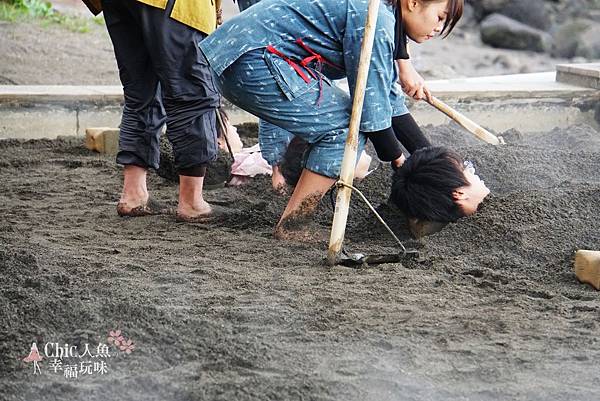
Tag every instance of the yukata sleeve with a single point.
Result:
(377, 110)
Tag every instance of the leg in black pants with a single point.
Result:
(143, 112)
(150, 47)
(165, 78)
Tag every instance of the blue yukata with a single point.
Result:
(276, 60)
(273, 140)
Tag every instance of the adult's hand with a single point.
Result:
(219, 12)
(219, 16)
(412, 82)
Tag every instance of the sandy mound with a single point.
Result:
(491, 310)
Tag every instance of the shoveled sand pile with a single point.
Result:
(491, 310)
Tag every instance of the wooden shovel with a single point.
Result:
(465, 122)
(342, 204)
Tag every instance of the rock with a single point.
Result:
(483, 8)
(504, 61)
(589, 46)
(531, 12)
(468, 19)
(576, 38)
(573, 9)
(535, 13)
(500, 31)
(579, 60)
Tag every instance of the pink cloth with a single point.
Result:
(249, 163)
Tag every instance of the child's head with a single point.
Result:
(424, 19)
(434, 184)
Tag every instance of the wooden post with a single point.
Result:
(342, 203)
(465, 122)
(102, 140)
(587, 267)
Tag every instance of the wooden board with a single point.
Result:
(102, 140)
(587, 267)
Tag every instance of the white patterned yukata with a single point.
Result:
(266, 62)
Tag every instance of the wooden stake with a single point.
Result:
(342, 204)
(587, 267)
(466, 123)
(102, 140)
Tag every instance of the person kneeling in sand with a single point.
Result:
(277, 61)
(435, 185)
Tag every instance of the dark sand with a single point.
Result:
(491, 311)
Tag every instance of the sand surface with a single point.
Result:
(490, 311)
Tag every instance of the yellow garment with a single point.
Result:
(199, 14)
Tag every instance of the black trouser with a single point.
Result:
(165, 78)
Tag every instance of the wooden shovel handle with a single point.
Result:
(342, 203)
(465, 122)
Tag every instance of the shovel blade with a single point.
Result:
(354, 260)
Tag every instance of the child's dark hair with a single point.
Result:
(455, 12)
(423, 187)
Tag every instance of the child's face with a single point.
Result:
(424, 20)
(469, 197)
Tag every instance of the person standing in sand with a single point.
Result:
(276, 62)
(166, 79)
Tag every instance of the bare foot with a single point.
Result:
(187, 211)
(299, 225)
(278, 181)
(149, 208)
(300, 230)
(281, 189)
(191, 203)
(214, 214)
(135, 193)
(127, 204)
